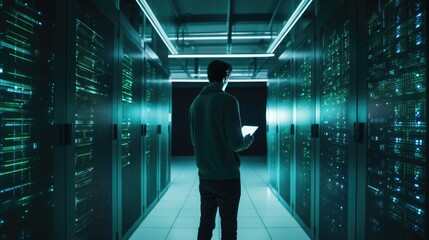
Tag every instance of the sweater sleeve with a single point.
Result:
(233, 133)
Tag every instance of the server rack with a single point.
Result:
(290, 111)
(396, 84)
(286, 132)
(71, 159)
(151, 152)
(27, 90)
(131, 53)
(337, 83)
(89, 113)
(370, 103)
(272, 133)
(305, 130)
(164, 119)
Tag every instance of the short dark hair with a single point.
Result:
(216, 70)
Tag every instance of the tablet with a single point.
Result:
(248, 130)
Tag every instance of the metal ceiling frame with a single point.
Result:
(230, 17)
(230, 13)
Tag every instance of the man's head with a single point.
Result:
(217, 71)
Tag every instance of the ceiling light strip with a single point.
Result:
(216, 38)
(221, 55)
(233, 74)
(289, 24)
(230, 80)
(155, 23)
(251, 37)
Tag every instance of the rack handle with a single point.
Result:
(315, 130)
(144, 129)
(115, 131)
(359, 128)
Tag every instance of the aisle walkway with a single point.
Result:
(260, 216)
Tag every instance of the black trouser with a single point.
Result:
(224, 194)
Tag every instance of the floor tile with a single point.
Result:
(169, 204)
(175, 198)
(279, 222)
(244, 204)
(150, 233)
(187, 222)
(189, 212)
(250, 222)
(273, 212)
(164, 212)
(267, 204)
(253, 233)
(247, 212)
(192, 204)
(291, 233)
(261, 216)
(188, 234)
(158, 222)
(182, 234)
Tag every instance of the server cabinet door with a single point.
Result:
(286, 131)
(272, 132)
(336, 126)
(164, 93)
(167, 135)
(304, 161)
(130, 137)
(150, 150)
(90, 180)
(27, 117)
(397, 97)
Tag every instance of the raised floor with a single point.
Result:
(261, 216)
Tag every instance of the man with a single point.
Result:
(216, 136)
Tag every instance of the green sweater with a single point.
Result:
(216, 134)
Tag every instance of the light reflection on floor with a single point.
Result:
(260, 216)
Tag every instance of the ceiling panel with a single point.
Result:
(201, 26)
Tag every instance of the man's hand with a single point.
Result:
(248, 140)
